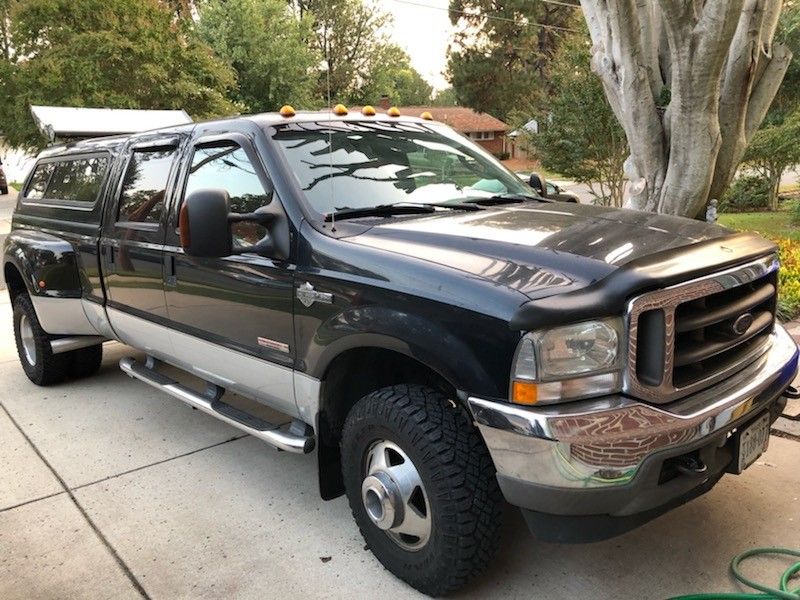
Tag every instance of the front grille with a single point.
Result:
(692, 335)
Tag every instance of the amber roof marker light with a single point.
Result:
(288, 111)
(368, 111)
(427, 116)
(393, 112)
(340, 110)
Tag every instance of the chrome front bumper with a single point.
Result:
(603, 443)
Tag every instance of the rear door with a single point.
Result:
(232, 316)
(132, 245)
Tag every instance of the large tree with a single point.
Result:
(501, 53)
(266, 46)
(349, 36)
(395, 78)
(690, 82)
(120, 54)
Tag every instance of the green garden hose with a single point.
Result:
(781, 593)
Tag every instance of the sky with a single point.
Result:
(423, 29)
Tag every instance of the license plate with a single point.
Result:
(753, 442)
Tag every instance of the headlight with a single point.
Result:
(568, 363)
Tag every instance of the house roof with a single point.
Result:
(68, 121)
(460, 118)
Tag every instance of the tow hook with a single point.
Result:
(691, 465)
(792, 393)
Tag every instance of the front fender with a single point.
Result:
(425, 340)
(48, 264)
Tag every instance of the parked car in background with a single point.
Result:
(442, 337)
(3, 180)
(548, 189)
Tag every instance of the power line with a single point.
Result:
(496, 18)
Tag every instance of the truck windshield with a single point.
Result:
(343, 165)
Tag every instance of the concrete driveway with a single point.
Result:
(109, 489)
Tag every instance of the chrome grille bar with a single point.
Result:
(655, 382)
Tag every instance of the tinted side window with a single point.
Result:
(144, 185)
(38, 182)
(77, 180)
(227, 167)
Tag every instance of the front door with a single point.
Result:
(232, 316)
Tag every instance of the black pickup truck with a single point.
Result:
(442, 337)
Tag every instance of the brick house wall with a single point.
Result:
(494, 146)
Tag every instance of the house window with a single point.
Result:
(481, 136)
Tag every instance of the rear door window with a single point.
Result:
(145, 184)
(77, 180)
(69, 180)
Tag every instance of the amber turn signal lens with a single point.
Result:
(524, 392)
(340, 110)
(287, 111)
(368, 111)
(393, 112)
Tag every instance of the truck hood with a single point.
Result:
(537, 249)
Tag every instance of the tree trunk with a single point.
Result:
(716, 63)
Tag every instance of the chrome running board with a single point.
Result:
(291, 438)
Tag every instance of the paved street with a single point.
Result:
(109, 489)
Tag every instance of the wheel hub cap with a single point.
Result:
(27, 339)
(394, 497)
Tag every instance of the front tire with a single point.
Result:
(422, 487)
(33, 346)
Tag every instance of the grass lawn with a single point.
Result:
(772, 225)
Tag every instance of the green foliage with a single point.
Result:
(579, 134)
(396, 78)
(748, 193)
(794, 213)
(501, 64)
(120, 54)
(361, 64)
(445, 97)
(789, 279)
(268, 48)
(773, 149)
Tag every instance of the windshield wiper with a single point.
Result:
(401, 208)
(507, 199)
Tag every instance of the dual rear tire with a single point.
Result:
(421, 486)
(35, 353)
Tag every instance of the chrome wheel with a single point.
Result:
(394, 496)
(27, 339)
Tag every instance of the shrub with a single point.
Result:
(748, 193)
(789, 280)
(794, 212)
(502, 155)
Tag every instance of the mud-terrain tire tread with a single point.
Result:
(458, 474)
(49, 368)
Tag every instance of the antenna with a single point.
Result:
(330, 133)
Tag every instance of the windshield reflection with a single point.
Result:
(350, 165)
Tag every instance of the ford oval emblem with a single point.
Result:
(742, 324)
